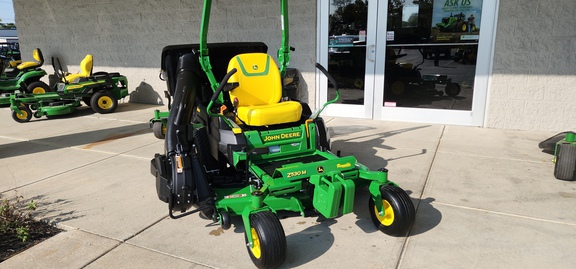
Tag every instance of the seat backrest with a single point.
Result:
(37, 54)
(85, 70)
(86, 66)
(258, 78)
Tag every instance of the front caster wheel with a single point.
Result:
(398, 210)
(159, 129)
(24, 116)
(268, 249)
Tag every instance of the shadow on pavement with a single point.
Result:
(89, 138)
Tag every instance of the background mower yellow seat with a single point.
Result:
(37, 54)
(257, 97)
(85, 70)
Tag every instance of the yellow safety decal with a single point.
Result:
(343, 165)
(179, 166)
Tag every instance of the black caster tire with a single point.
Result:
(38, 87)
(24, 117)
(159, 130)
(399, 212)
(103, 102)
(565, 167)
(225, 220)
(269, 241)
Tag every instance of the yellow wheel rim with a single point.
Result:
(105, 102)
(163, 129)
(388, 217)
(38, 90)
(397, 88)
(256, 251)
(22, 116)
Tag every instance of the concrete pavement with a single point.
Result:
(485, 198)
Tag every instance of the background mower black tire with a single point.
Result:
(403, 211)
(26, 114)
(565, 167)
(452, 89)
(38, 87)
(103, 102)
(271, 243)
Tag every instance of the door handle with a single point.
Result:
(370, 52)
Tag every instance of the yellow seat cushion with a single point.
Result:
(264, 115)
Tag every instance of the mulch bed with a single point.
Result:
(39, 231)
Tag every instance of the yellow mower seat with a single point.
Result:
(37, 54)
(257, 97)
(85, 70)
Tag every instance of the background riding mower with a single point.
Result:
(405, 79)
(239, 148)
(24, 77)
(100, 91)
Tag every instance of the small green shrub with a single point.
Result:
(15, 217)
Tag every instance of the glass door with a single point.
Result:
(416, 61)
(349, 55)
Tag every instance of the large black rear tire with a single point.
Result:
(103, 102)
(269, 241)
(38, 87)
(399, 212)
(203, 149)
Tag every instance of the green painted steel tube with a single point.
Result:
(284, 51)
(204, 58)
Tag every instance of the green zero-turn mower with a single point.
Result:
(100, 90)
(24, 77)
(235, 146)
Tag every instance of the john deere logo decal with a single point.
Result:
(320, 169)
(281, 136)
(254, 67)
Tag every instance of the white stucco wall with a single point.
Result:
(533, 86)
(128, 36)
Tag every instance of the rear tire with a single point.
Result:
(203, 149)
(399, 212)
(103, 102)
(452, 89)
(38, 87)
(269, 241)
(565, 167)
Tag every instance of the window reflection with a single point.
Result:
(431, 53)
(347, 48)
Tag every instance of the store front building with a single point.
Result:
(489, 63)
